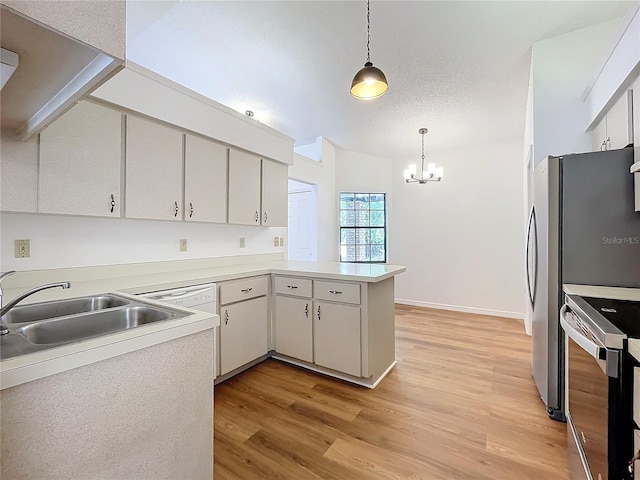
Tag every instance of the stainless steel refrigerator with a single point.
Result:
(582, 230)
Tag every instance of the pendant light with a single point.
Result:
(431, 174)
(369, 82)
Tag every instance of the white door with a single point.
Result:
(243, 333)
(81, 162)
(336, 337)
(244, 188)
(302, 225)
(274, 194)
(153, 180)
(294, 327)
(205, 181)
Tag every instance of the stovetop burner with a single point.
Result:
(624, 314)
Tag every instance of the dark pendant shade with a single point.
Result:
(369, 83)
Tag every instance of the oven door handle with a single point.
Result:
(608, 359)
(587, 345)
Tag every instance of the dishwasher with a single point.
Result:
(197, 297)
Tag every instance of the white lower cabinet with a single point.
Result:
(336, 337)
(294, 327)
(243, 333)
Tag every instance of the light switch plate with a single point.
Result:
(183, 244)
(23, 248)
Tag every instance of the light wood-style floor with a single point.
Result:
(460, 404)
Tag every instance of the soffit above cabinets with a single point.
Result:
(54, 71)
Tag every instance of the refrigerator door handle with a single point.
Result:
(531, 285)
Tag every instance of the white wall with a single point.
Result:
(321, 173)
(359, 172)
(561, 68)
(59, 241)
(461, 238)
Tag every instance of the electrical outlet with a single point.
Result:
(23, 248)
(242, 243)
(183, 245)
(282, 241)
(276, 242)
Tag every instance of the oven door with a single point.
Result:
(593, 396)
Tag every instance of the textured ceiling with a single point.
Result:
(459, 68)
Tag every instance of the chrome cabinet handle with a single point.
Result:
(226, 317)
(632, 463)
(257, 216)
(318, 312)
(190, 209)
(113, 203)
(265, 217)
(292, 287)
(246, 290)
(306, 310)
(176, 209)
(335, 292)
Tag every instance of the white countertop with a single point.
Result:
(618, 293)
(126, 280)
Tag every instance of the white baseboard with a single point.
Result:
(457, 308)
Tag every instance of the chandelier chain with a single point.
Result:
(368, 35)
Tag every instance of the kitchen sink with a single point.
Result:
(61, 308)
(80, 327)
(41, 326)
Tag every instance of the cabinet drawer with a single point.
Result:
(243, 289)
(300, 287)
(337, 292)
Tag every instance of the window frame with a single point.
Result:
(354, 227)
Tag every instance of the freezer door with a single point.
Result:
(545, 323)
(601, 229)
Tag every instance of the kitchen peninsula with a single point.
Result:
(126, 394)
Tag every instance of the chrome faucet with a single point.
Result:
(2, 277)
(4, 310)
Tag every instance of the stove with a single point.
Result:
(599, 385)
(623, 314)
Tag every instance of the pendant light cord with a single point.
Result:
(368, 35)
(422, 156)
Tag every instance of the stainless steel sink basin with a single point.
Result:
(80, 327)
(41, 326)
(61, 308)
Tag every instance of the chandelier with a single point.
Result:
(431, 174)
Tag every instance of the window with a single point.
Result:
(363, 227)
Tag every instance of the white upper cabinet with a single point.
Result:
(244, 188)
(205, 181)
(274, 194)
(154, 171)
(81, 162)
(615, 130)
(620, 121)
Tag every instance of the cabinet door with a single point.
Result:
(336, 337)
(275, 202)
(619, 124)
(205, 181)
(244, 188)
(154, 171)
(294, 328)
(81, 162)
(243, 333)
(599, 136)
